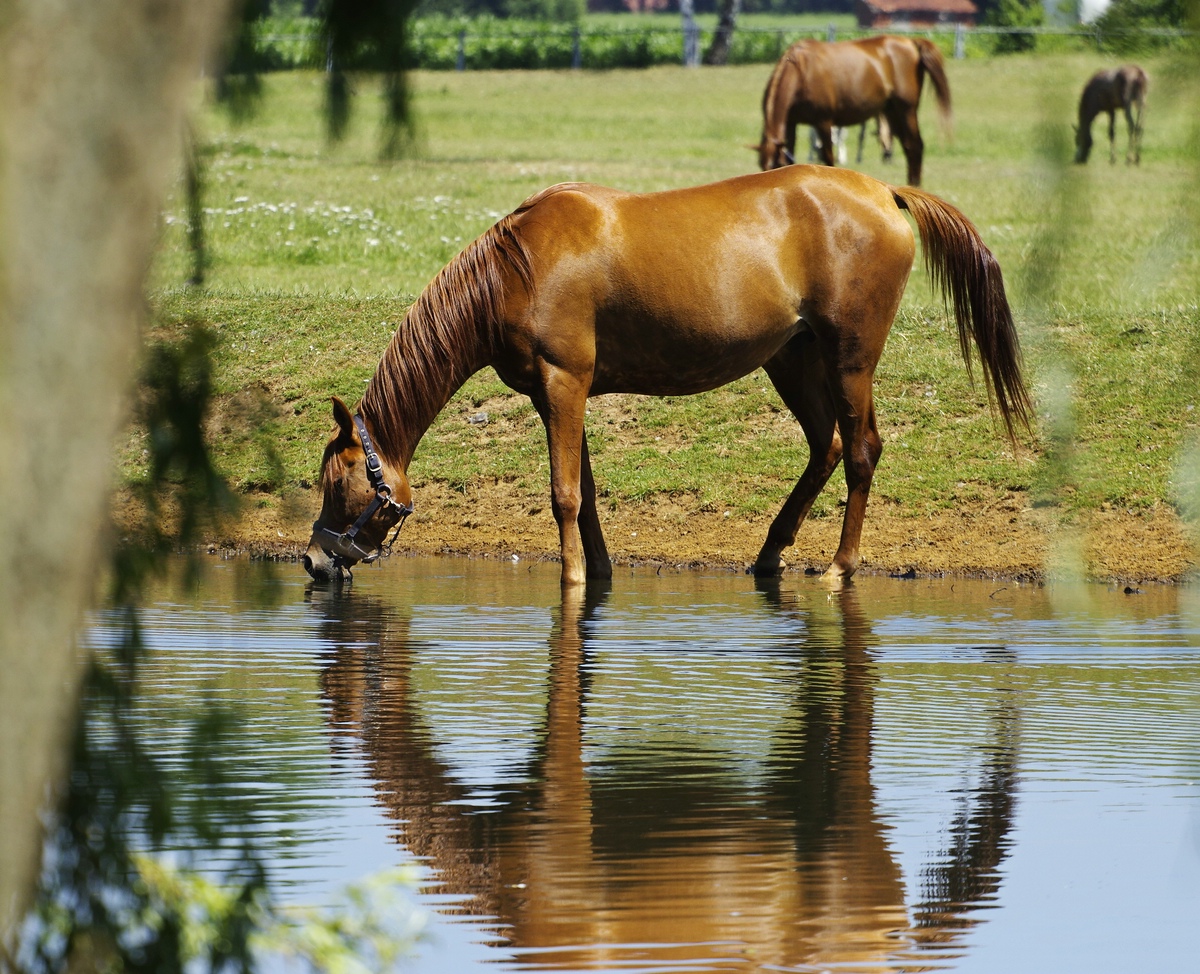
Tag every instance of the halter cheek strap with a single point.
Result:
(345, 545)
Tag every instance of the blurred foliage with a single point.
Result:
(369, 35)
(119, 798)
(120, 888)
(1015, 13)
(1128, 14)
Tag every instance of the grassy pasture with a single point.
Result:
(317, 250)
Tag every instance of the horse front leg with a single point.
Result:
(562, 405)
(904, 126)
(798, 374)
(1112, 137)
(825, 131)
(595, 551)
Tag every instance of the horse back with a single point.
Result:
(1112, 89)
(846, 82)
(731, 271)
(849, 82)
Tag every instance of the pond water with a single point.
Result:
(694, 772)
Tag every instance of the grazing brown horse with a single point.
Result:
(1121, 88)
(584, 291)
(823, 84)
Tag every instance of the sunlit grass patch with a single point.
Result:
(316, 251)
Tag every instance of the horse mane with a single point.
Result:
(789, 62)
(451, 331)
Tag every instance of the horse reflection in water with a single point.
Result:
(584, 870)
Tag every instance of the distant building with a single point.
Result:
(875, 14)
(1089, 10)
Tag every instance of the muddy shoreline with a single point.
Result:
(1002, 542)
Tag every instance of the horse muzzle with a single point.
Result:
(331, 554)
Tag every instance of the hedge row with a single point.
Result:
(441, 44)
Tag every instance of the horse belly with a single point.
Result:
(681, 357)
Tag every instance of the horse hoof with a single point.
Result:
(768, 567)
(834, 581)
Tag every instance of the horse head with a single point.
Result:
(1083, 142)
(362, 499)
(772, 153)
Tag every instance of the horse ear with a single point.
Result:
(343, 418)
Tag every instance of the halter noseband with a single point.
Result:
(782, 149)
(344, 547)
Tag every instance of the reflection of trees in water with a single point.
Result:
(572, 855)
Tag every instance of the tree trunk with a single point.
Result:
(718, 50)
(93, 95)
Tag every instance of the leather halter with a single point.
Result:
(345, 548)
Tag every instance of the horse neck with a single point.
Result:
(1089, 108)
(417, 376)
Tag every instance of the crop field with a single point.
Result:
(316, 250)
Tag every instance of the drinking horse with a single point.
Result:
(1121, 88)
(841, 83)
(584, 291)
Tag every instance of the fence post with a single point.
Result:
(577, 51)
(460, 62)
(831, 35)
(960, 42)
(691, 35)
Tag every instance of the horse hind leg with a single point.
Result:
(883, 132)
(798, 373)
(862, 446)
(825, 131)
(850, 351)
(1112, 137)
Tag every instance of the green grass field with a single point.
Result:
(317, 250)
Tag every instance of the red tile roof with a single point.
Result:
(930, 6)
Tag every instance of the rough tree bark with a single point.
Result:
(718, 50)
(93, 95)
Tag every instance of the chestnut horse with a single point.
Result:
(1121, 88)
(584, 291)
(828, 83)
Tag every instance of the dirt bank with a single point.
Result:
(1004, 540)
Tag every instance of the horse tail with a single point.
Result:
(935, 66)
(968, 277)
